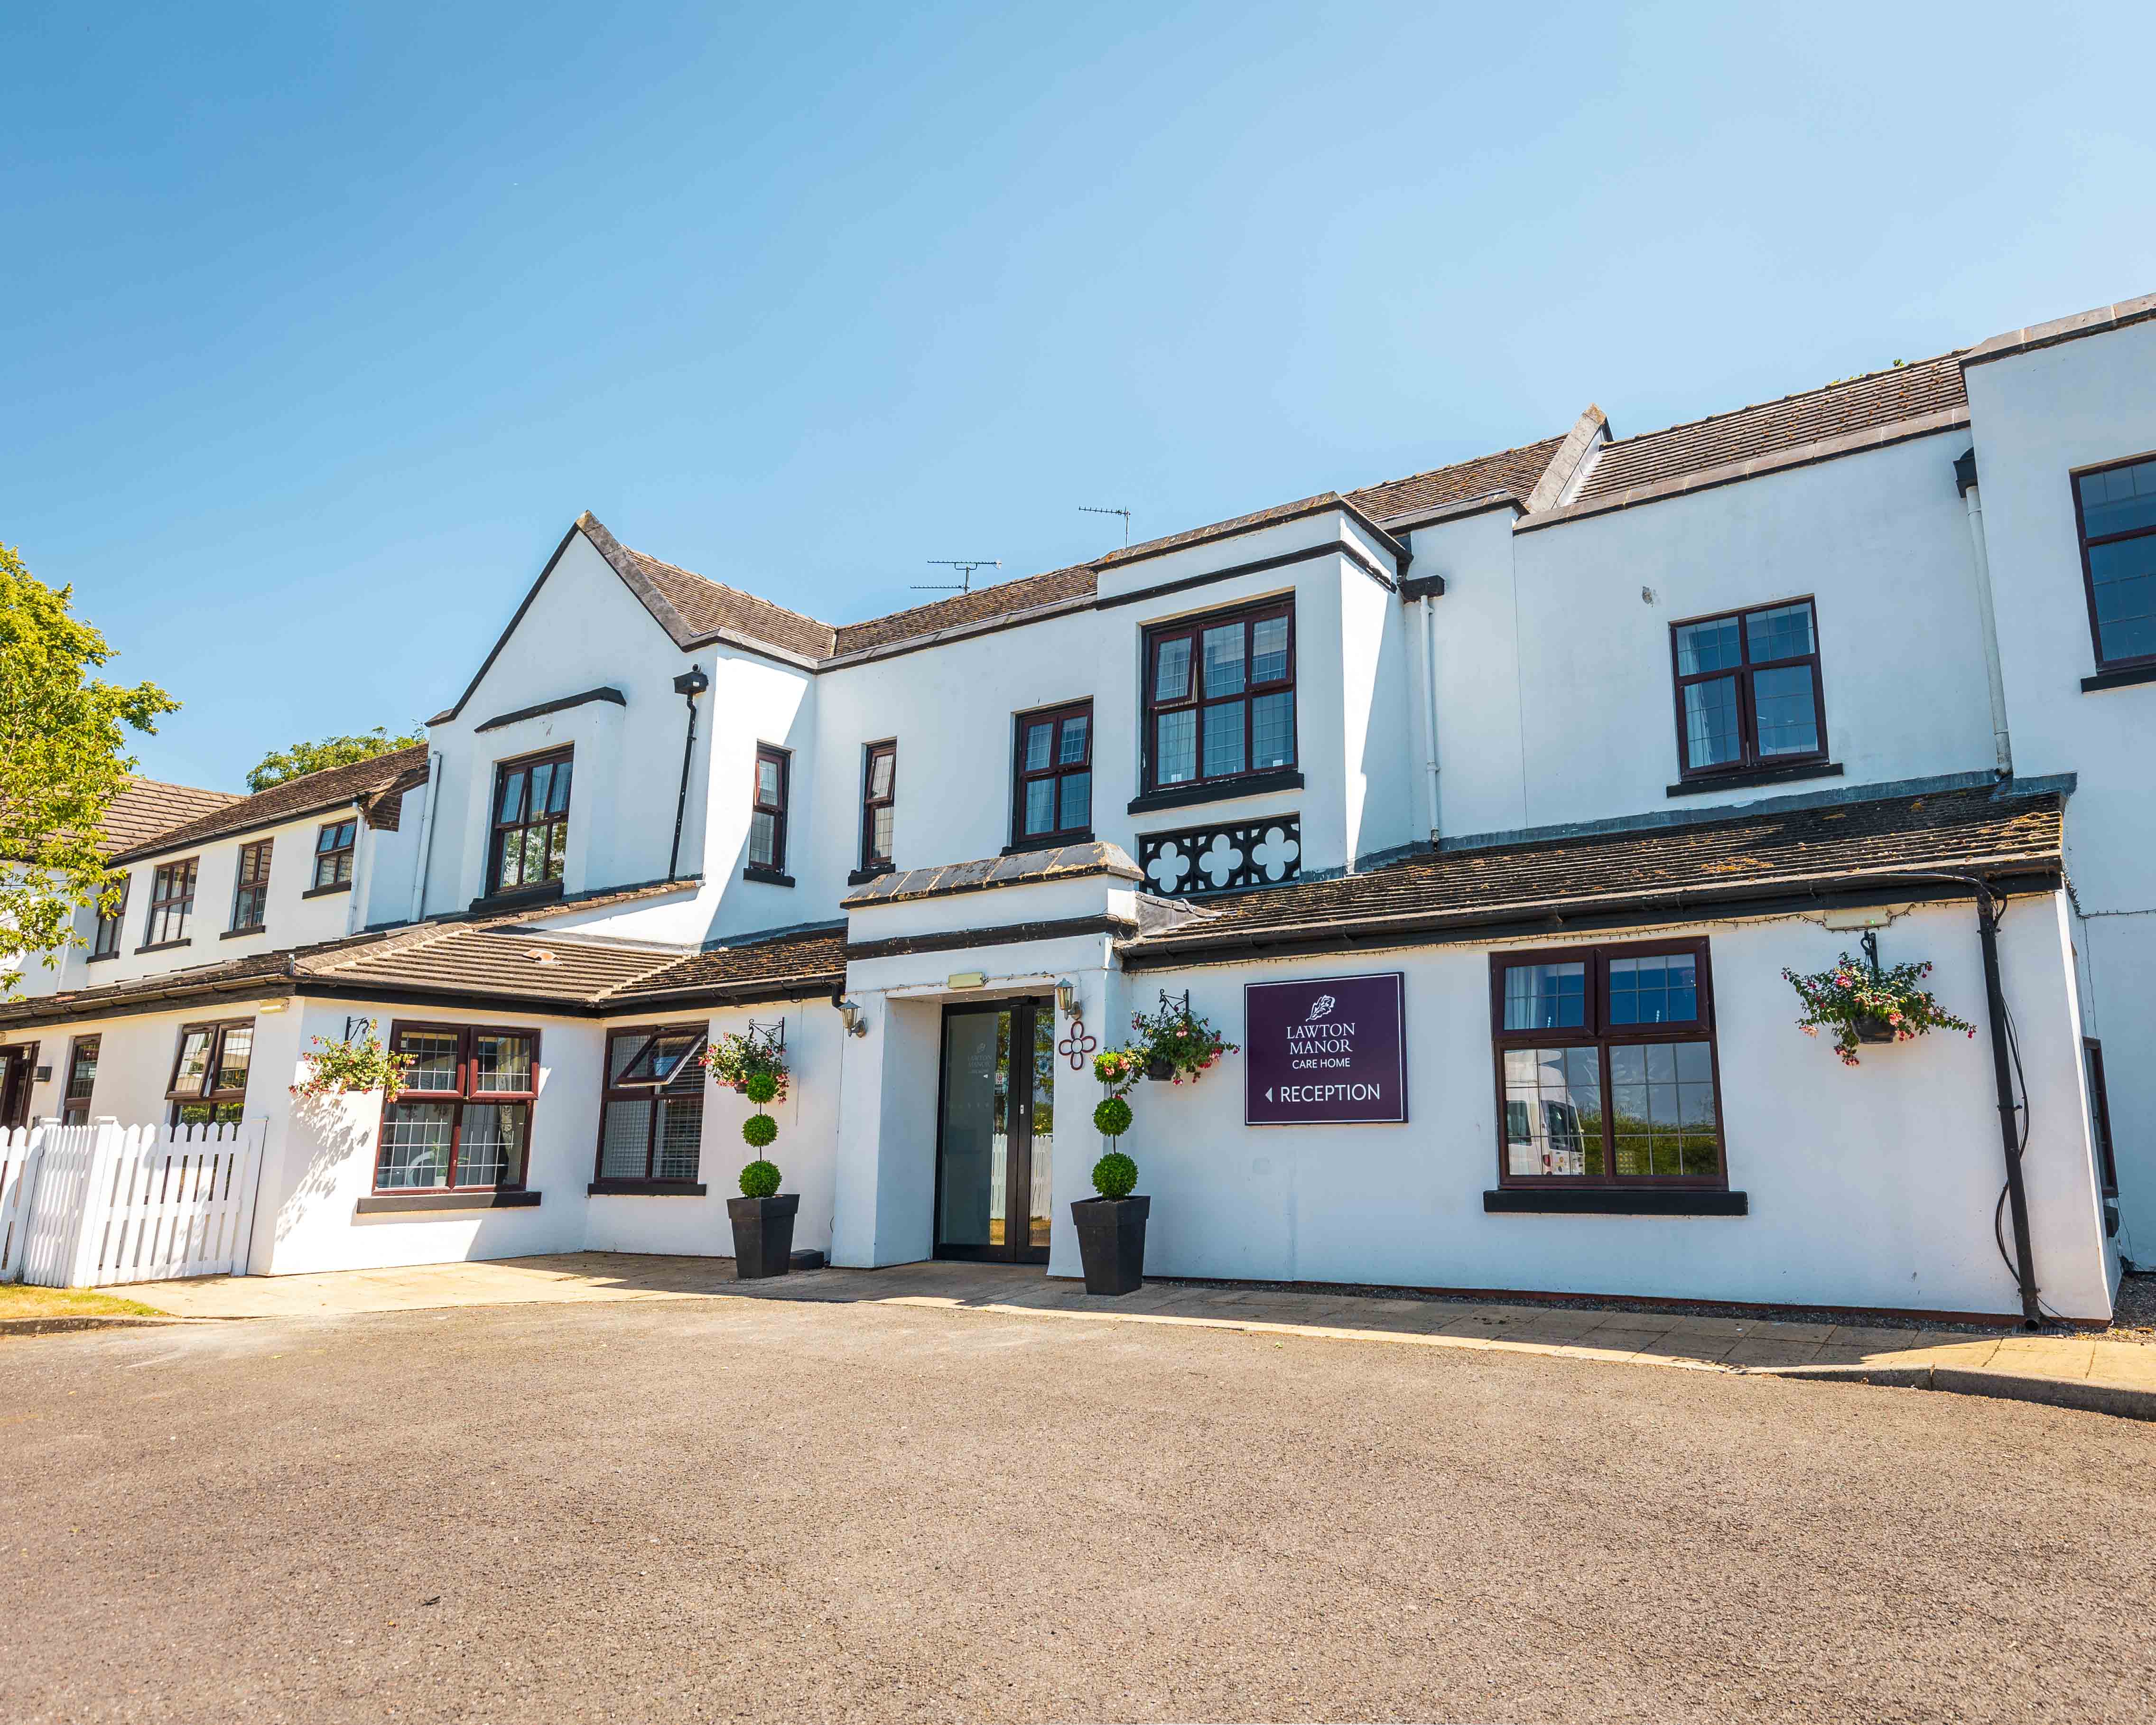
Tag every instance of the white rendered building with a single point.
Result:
(1547, 765)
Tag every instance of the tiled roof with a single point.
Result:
(361, 781)
(505, 959)
(1870, 402)
(1066, 862)
(705, 606)
(1551, 883)
(810, 960)
(984, 604)
(147, 807)
(1509, 473)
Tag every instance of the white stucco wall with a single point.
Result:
(2037, 417)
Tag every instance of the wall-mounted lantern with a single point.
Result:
(856, 1022)
(1066, 997)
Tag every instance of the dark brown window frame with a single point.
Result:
(773, 872)
(2099, 1095)
(2074, 478)
(172, 903)
(1149, 709)
(344, 828)
(1056, 773)
(106, 936)
(251, 893)
(611, 1092)
(208, 1094)
(74, 1110)
(1595, 1030)
(1749, 760)
(498, 829)
(466, 1092)
(872, 859)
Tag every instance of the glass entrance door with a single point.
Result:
(996, 1132)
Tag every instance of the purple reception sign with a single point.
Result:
(1324, 1051)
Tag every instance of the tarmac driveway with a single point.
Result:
(724, 1509)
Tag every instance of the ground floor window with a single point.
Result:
(209, 1074)
(464, 1118)
(81, 1080)
(651, 1122)
(1605, 1066)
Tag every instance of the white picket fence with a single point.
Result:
(94, 1206)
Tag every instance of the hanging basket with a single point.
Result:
(1874, 1027)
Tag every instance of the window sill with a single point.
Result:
(2119, 678)
(1049, 841)
(382, 1203)
(234, 934)
(100, 958)
(861, 877)
(1708, 782)
(646, 1189)
(768, 877)
(517, 897)
(164, 946)
(1218, 790)
(325, 891)
(1615, 1201)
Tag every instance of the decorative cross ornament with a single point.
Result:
(1078, 1045)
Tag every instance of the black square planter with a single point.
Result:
(1111, 1242)
(763, 1235)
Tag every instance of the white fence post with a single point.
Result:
(246, 1191)
(96, 1206)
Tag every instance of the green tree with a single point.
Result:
(60, 766)
(281, 764)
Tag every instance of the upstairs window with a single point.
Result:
(651, 1123)
(104, 940)
(209, 1075)
(250, 891)
(1219, 697)
(1605, 1066)
(464, 1118)
(333, 848)
(172, 902)
(1748, 690)
(879, 804)
(767, 821)
(530, 837)
(2116, 507)
(1053, 803)
(81, 1081)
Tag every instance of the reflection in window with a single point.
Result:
(1545, 997)
(2117, 508)
(1748, 689)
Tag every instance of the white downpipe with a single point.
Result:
(426, 836)
(2002, 743)
(1430, 710)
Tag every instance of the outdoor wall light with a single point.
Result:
(850, 1011)
(1066, 997)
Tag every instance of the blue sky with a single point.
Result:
(323, 323)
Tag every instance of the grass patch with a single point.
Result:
(19, 1300)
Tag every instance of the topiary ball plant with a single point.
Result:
(760, 1087)
(760, 1179)
(759, 1129)
(1112, 1117)
(1114, 1175)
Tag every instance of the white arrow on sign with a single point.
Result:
(1269, 1093)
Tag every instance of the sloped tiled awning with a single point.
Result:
(1876, 849)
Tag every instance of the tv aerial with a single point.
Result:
(1089, 509)
(964, 566)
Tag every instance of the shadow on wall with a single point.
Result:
(334, 1140)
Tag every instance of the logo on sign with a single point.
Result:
(1319, 1008)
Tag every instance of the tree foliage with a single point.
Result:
(302, 757)
(62, 731)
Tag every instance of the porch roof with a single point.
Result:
(1876, 849)
(509, 960)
